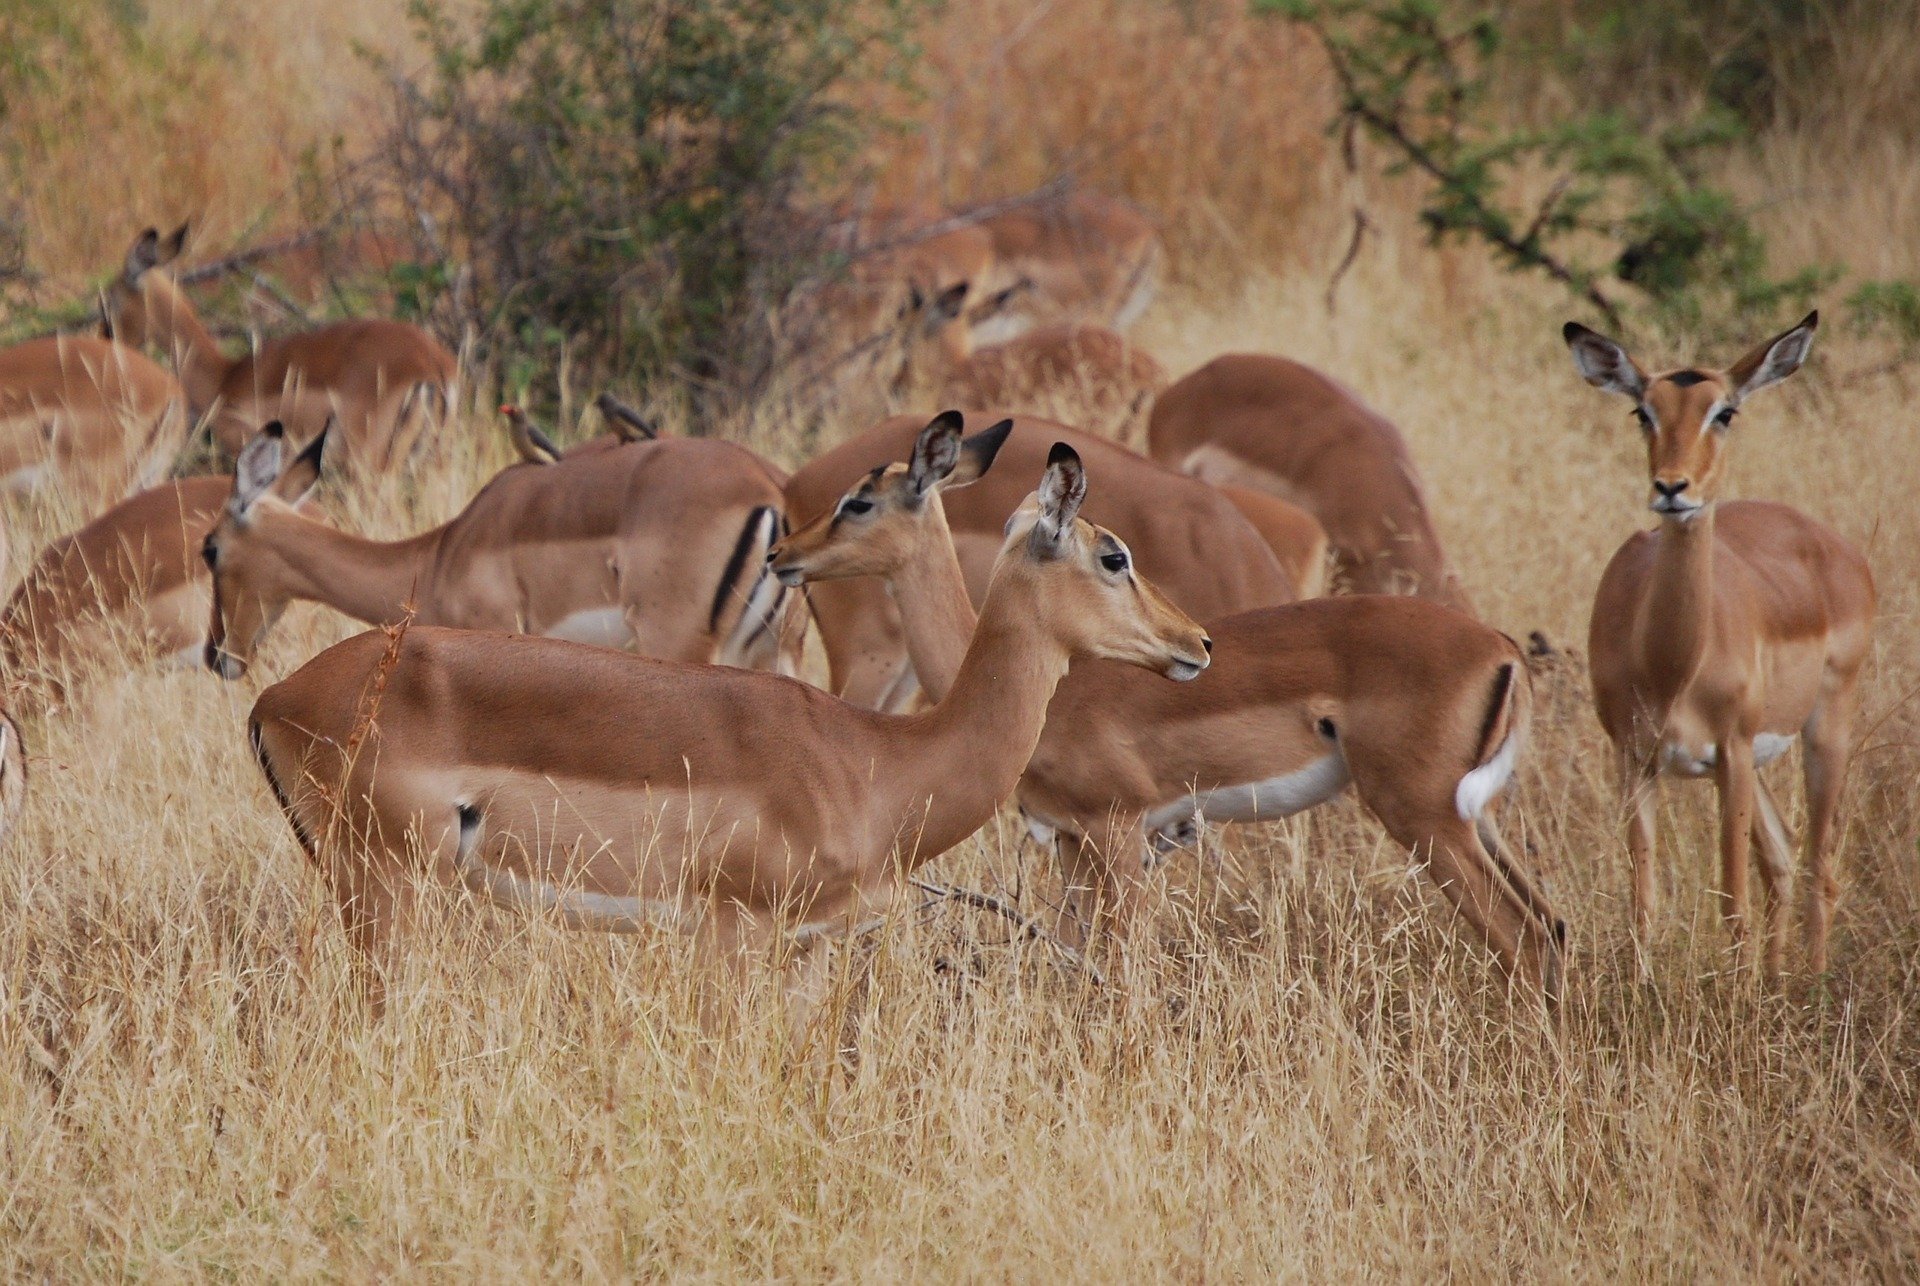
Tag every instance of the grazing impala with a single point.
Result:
(1272, 425)
(384, 381)
(608, 789)
(1421, 708)
(97, 415)
(1723, 634)
(1077, 257)
(657, 546)
(1189, 540)
(131, 578)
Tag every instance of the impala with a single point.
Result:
(131, 576)
(656, 546)
(1272, 425)
(383, 381)
(906, 274)
(1422, 709)
(1189, 540)
(97, 415)
(610, 789)
(1722, 635)
(1077, 257)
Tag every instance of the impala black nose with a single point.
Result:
(1670, 489)
(1207, 643)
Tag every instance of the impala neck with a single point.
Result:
(935, 611)
(969, 751)
(176, 327)
(369, 580)
(1676, 611)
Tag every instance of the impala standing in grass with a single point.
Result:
(610, 789)
(655, 546)
(1421, 708)
(1721, 636)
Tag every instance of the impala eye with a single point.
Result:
(1646, 420)
(856, 505)
(1115, 562)
(1725, 417)
(209, 553)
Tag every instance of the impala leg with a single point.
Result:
(1826, 738)
(1105, 879)
(1771, 845)
(1734, 777)
(1512, 869)
(378, 909)
(1639, 797)
(1529, 944)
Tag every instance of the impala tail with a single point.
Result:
(1503, 735)
(754, 638)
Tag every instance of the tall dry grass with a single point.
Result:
(1317, 1080)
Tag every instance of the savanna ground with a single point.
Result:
(1317, 1080)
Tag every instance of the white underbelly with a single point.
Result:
(1684, 760)
(1268, 800)
(603, 626)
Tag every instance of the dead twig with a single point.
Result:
(1026, 927)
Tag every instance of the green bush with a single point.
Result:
(626, 179)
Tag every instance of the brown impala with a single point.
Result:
(1722, 635)
(1421, 708)
(610, 789)
(94, 414)
(657, 546)
(1272, 425)
(132, 576)
(384, 381)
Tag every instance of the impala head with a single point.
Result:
(932, 330)
(125, 309)
(1685, 414)
(250, 579)
(1101, 606)
(877, 527)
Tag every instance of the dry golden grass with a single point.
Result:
(1316, 1080)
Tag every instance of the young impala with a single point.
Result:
(656, 546)
(1722, 635)
(609, 789)
(381, 380)
(1422, 709)
(1189, 539)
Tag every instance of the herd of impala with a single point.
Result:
(582, 698)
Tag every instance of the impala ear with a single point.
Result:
(977, 454)
(935, 452)
(142, 255)
(1603, 363)
(257, 469)
(1774, 360)
(297, 483)
(175, 242)
(948, 304)
(1063, 487)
